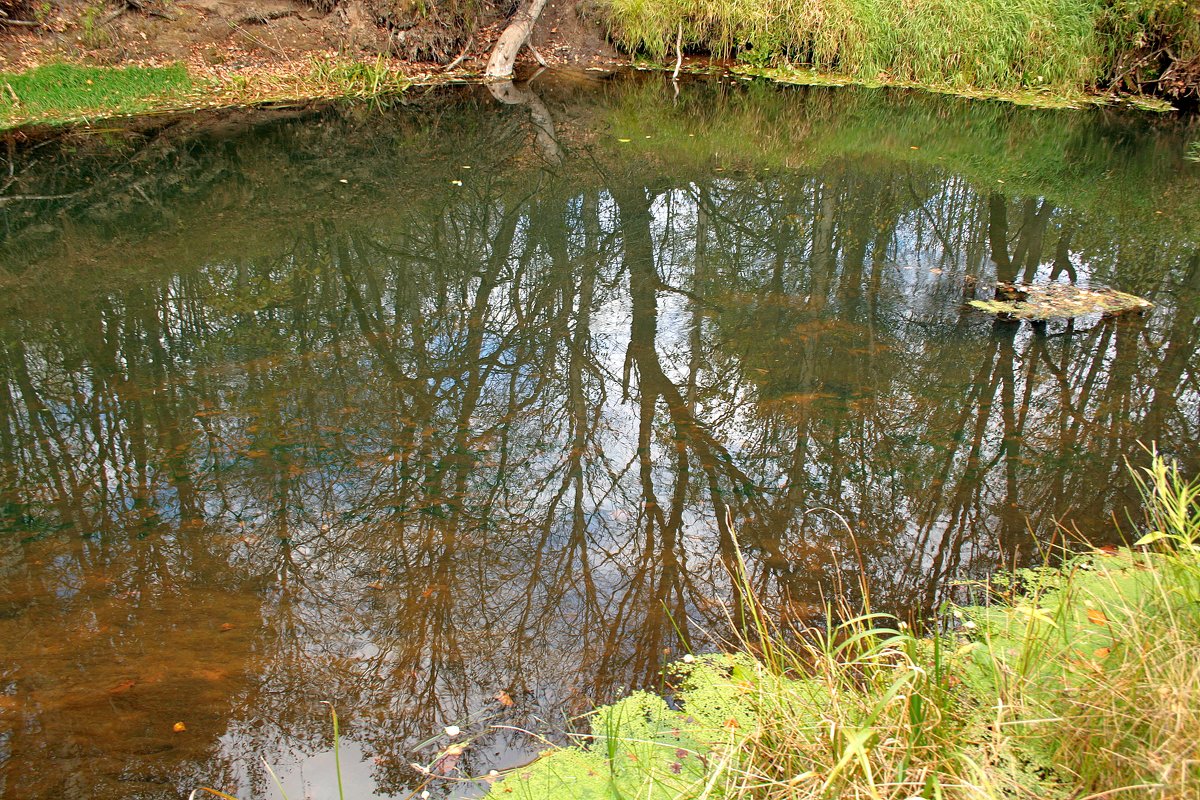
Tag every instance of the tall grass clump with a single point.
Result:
(861, 708)
(358, 79)
(1080, 680)
(1093, 667)
(1133, 717)
(1065, 45)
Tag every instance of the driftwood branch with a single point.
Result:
(12, 198)
(536, 54)
(466, 49)
(678, 53)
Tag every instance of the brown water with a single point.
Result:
(425, 409)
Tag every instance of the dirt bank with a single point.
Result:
(224, 36)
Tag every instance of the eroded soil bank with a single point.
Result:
(218, 37)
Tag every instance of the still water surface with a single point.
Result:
(425, 409)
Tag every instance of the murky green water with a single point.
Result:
(425, 409)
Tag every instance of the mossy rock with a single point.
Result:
(1058, 301)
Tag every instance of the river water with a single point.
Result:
(455, 410)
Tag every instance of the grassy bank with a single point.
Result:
(70, 92)
(1081, 680)
(62, 93)
(1062, 46)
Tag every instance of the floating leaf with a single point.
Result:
(448, 760)
(1102, 653)
(179, 727)
(1096, 616)
(504, 698)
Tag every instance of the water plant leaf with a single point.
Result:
(1150, 538)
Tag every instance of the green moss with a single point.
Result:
(68, 92)
(639, 748)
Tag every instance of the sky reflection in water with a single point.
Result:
(288, 415)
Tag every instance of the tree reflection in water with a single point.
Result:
(268, 438)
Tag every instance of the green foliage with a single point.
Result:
(1095, 665)
(1052, 44)
(1172, 507)
(70, 91)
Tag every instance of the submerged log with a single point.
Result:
(1041, 302)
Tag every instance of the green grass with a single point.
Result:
(1058, 45)
(58, 94)
(65, 92)
(1075, 681)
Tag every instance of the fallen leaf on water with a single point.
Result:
(123, 686)
(179, 727)
(449, 760)
(1096, 617)
(228, 626)
(504, 698)
(375, 585)
(1102, 652)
